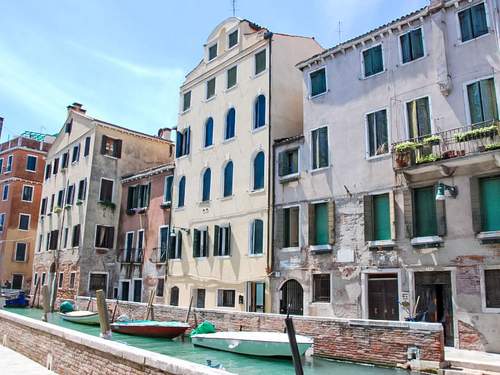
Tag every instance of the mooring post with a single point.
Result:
(37, 286)
(114, 311)
(102, 310)
(189, 310)
(149, 308)
(293, 345)
(46, 302)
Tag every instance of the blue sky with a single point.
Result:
(124, 60)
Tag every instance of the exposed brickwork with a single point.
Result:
(354, 340)
(469, 337)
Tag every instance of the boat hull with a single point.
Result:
(265, 344)
(89, 318)
(150, 330)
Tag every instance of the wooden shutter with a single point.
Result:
(178, 144)
(311, 216)
(228, 239)
(279, 232)
(408, 212)
(103, 144)
(118, 148)
(441, 218)
(179, 245)
(475, 200)
(196, 243)
(392, 215)
(282, 164)
(368, 216)
(331, 222)
(110, 237)
(216, 240)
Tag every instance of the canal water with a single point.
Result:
(235, 363)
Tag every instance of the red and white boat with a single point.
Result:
(150, 328)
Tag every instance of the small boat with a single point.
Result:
(81, 317)
(150, 328)
(17, 301)
(269, 344)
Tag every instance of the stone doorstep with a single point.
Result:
(143, 357)
(473, 360)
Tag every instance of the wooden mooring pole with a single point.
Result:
(293, 345)
(150, 309)
(46, 302)
(37, 286)
(102, 310)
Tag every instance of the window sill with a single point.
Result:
(373, 75)
(182, 157)
(187, 110)
(200, 258)
(289, 178)
(166, 204)
(30, 171)
(107, 156)
(255, 255)
(182, 208)
(321, 303)
(320, 169)
(489, 237)
(209, 147)
(229, 197)
(378, 157)
(427, 241)
(230, 88)
(254, 76)
(318, 249)
(204, 203)
(223, 256)
(460, 43)
(381, 244)
(229, 140)
(259, 129)
(210, 99)
(257, 192)
(318, 95)
(290, 249)
(402, 64)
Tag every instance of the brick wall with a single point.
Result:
(367, 341)
(72, 352)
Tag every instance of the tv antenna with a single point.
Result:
(339, 30)
(233, 4)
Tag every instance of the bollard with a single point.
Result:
(102, 310)
(46, 302)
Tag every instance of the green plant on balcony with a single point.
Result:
(67, 207)
(57, 209)
(487, 131)
(432, 140)
(492, 146)
(108, 204)
(79, 202)
(427, 158)
(404, 147)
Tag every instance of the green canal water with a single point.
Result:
(235, 363)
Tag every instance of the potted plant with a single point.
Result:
(67, 207)
(432, 140)
(427, 159)
(403, 153)
(57, 209)
(107, 204)
(492, 146)
(79, 202)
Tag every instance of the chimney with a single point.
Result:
(164, 133)
(76, 107)
(436, 4)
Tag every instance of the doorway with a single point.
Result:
(433, 294)
(125, 289)
(200, 298)
(383, 301)
(255, 296)
(137, 290)
(292, 296)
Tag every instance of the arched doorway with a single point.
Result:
(292, 294)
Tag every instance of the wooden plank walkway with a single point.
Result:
(13, 363)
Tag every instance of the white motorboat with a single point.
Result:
(81, 316)
(269, 344)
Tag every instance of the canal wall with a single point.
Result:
(65, 351)
(358, 340)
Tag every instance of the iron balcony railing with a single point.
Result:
(131, 256)
(448, 144)
(159, 255)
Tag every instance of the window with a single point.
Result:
(186, 101)
(200, 242)
(257, 237)
(70, 196)
(320, 148)
(60, 198)
(222, 240)
(17, 281)
(138, 196)
(75, 239)
(255, 292)
(40, 242)
(291, 227)
(82, 189)
(53, 240)
(226, 297)
(232, 39)
(492, 288)
(320, 220)
(212, 52)
(2, 222)
(65, 238)
(412, 45)
(106, 191)
(64, 160)
(21, 248)
(5, 192)
(182, 191)
(55, 167)
(48, 170)
(259, 113)
(111, 147)
(60, 281)
(72, 277)
(228, 179)
(52, 203)
(200, 298)
(31, 163)
(210, 88)
(232, 77)
(174, 296)
(258, 171)
(163, 241)
(43, 278)
(1, 165)
(160, 286)
(86, 147)
(43, 206)
(76, 154)
(24, 221)
(140, 239)
(35, 279)
(230, 124)
(482, 101)
(260, 62)
(175, 247)
(10, 160)
(183, 142)
(288, 161)
(377, 133)
(377, 217)
(489, 190)
(419, 118)
(104, 237)
(167, 194)
(424, 201)
(473, 22)
(207, 177)
(321, 287)
(373, 62)
(209, 132)
(318, 82)
(98, 281)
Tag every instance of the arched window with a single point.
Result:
(207, 177)
(230, 124)
(228, 179)
(174, 296)
(258, 171)
(182, 191)
(209, 132)
(259, 112)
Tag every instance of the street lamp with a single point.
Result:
(444, 191)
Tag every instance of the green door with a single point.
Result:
(490, 203)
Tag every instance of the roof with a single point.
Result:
(282, 141)
(148, 172)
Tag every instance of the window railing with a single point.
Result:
(448, 144)
(131, 256)
(159, 255)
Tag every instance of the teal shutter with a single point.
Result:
(378, 62)
(318, 82)
(490, 204)
(368, 63)
(196, 243)
(282, 163)
(423, 117)
(417, 45)
(475, 106)
(230, 124)
(425, 212)
(405, 47)
(479, 24)
(168, 188)
(209, 132)
(182, 191)
(465, 25)
(321, 223)
(323, 147)
(488, 99)
(381, 214)
(258, 236)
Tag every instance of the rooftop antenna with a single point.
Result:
(339, 30)
(233, 2)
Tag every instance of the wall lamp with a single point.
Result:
(444, 191)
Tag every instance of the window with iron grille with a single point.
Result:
(321, 287)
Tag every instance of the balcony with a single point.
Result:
(159, 255)
(448, 148)
(131, 256)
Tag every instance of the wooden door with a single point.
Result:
(383, 297)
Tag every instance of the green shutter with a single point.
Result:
(405, 47)
(260, 62)
(479, 24)
(465, 21)
(475, 107)
(425, 212)
(285, 213)
(311, 222)
(488, 99)
(490, 203)
(475, 201)
(216, 240)
(282, 161)
(318, 82)
(417, 45)
(368, 217)
(423, 116)
(321, 224)
(381, 216)
(196, 243)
